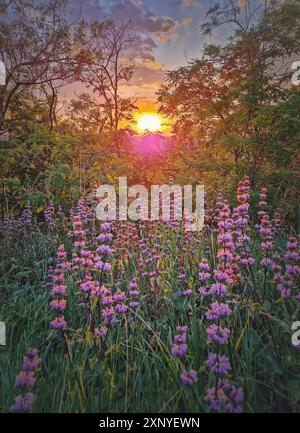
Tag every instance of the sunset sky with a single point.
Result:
(170, 36)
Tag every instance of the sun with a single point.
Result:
(149, 122)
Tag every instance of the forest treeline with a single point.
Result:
(234, 109)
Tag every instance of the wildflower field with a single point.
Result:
(147, 316)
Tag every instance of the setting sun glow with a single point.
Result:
(149, 122)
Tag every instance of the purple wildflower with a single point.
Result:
(217, 310)
(25, 379)
(101, 332)
(218, 364)
(133, 284)
(106, 267)
(179, 350)
(121, 308)
(187, 293)
(23, 403)
(134, 304)
(31, 361)
(109, 316)
(189, 377)
(58, 323)
(217, 334)
(58, 305)
(119, 296)
(225, 397)
(218, 289)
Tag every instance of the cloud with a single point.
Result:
(153, 24)
(125, 9)
(153, 65)
(147, 75)
(142, 49)
(164, 28)
(165, 37)
(146, 81)
(186, 20)
(141, 91)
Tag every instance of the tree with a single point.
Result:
(236, 101)
(39, 48)
(240, 14)
(108, 68)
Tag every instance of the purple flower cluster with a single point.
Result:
(218, 364)
(26, 379)
(23, 403)
(109, 316)
(93, 263)
(105, 250)
(288, 278)
(189, 377)
(265, 229)
(179, 348)
(113, 304)
(49, 215)
(134, 294)
(89, 286)
(204, 276)
(187, 293)
(204, 273)
(79, 232)
(262, 202)
(240, 225)
(101, 331)
(218, 310)
(217, 334)
(58, 304)
(224, 396)
(25, 225)
(266, 232)
(149, 245)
